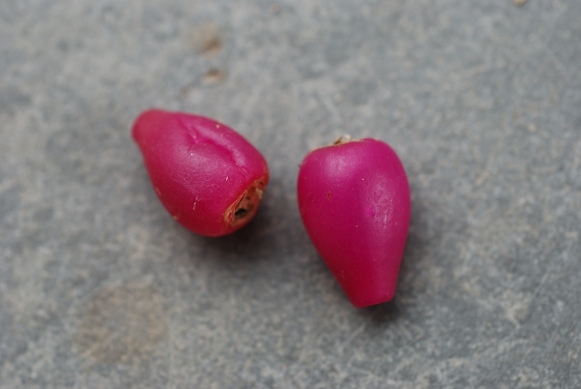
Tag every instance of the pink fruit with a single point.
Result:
(207, 176)
(354, 200)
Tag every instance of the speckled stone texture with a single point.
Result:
(100, 288)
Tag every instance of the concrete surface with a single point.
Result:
(100, 288)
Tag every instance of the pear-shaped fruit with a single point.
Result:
(207, 176)
(354, 200)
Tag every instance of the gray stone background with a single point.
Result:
(100, 288)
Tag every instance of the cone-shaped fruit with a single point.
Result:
(207, 176)
(354, 200)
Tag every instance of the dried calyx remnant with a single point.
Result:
(246, 205)
(342, 139)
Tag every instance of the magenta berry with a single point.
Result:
(207, 176)
(354, 200)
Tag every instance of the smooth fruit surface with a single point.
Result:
(354, 201)
(207, 176)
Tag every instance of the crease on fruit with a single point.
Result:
(198, 137)
(192, 132)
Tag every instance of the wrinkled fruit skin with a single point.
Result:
(207, 176)
(354, 200)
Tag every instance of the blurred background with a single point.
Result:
(100, 288)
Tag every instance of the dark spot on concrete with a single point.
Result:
(358, 91)
(275, 9)
(207, 39)
(12, 99)
(121, 324)
(63, 46)
(184, 91)
(9, 200)
(214, 76)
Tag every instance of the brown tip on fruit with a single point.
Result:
(246, 205)
(342, 139)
